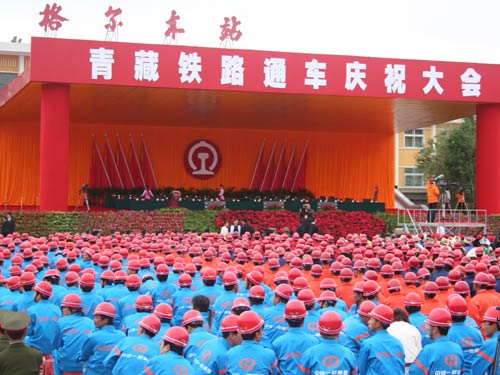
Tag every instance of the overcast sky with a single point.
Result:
(453, 30)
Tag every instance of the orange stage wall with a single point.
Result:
(339, 164)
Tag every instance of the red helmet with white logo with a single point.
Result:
(284, 291)
(456, 305)
(229, 323)
(330, 323)
(295, 310)
(412, 299)
(45, 288)
(492, 315)
(144, 302)
(164, 311)
(365, 308)
(72, 300)
(177, 336)
(191, 316)
(249, 322)
(150, 323)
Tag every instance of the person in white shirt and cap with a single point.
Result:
(409, 336)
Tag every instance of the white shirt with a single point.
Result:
(409, 336)
(224, 230)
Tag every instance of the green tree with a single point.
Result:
(453, 154)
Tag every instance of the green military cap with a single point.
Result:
(15, 321)
(2, 314)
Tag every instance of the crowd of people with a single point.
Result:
(172, 303)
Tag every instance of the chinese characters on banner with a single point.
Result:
(52, 20)
(173, 29)
(229, 32)
(231, 72)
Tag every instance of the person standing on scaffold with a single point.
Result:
(461, 200)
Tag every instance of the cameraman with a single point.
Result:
(432, 200)
(306, 220)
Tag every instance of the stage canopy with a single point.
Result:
(334, 117)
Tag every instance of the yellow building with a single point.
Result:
(14, 59)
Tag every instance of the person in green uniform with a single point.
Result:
(4, 339)
(18, 358)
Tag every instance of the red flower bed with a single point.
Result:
(336, 223)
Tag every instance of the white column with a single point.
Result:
(20, 65)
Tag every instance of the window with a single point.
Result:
(413, 178)
(414, 138)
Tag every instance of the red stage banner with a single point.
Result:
(167, 66)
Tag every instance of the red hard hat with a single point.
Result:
(61, 263)
(257, 291)
(442, 283)
(410, 278)
(144, 302)
(423, 272)
(454, 276)
(151, 323)
(284, 291)
(481, 279)
(281, 276)
(249, 322)
(439, 317)
(87, 279)
(191, 316)
(133, 280)
(71, 277)
(316, 270)
(229, 324)
(106, 309)
(185, 280)
(327, 283)
(300, 283)
(209, 274)
(295, 310)
(120, 276)
(45, 288)
(134, 265)
(370, 288)
(387, 270)
(382, 313)
(306, 296)
(28, 278)
(365, 308)
(431, 287)
(346, 273)
(394, 284)
(255, 277)
(164, 311)
(240, 302)
(370, 275)
(413, 299)
(162, 269)
(456, 305)
(492, 315)
(461, 287)
(327, 295)
(229, 278)
(107, 275)
(72, 300)
(330, 323)
(177, 336)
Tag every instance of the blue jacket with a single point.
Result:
(196, 339)
(251, 358)
(483, 361)
(274, 321)
(311, 322)
(72, 331)
(25, 301)
(469, 339)
(327, 356)
(417, 319)
(131, 354)
(44, 317)
(168, 364)
(181, 303)
(130, 324)
(222, 306)
(211, 359)
(126, 306)
(163, 292)
(89, 301)
(354, 333)
(97, 347)
(381, 354)
(439, 357)
(289, 348)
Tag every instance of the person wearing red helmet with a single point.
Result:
(209, 288)
(222, 305)
(318, 359)
(485, 358)
(181, 300)
(467, 337)
(90, 299)
(98, 345)
(165, 313)
(126, 304)
(71, 332)
(193, 322)
(356, 328)
(251, 357)
(275, 325)
(131, 354)
(212, 356)
(171, 358)
(441, 355)
(165, 289)
(381, 353)
(290, 346)
(485, 297)
(143, 307)
(394, 299)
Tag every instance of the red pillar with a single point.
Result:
(54, 147)
(488, 158)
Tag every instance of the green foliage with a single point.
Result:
(453, 154)
(390, 220)
(200, 221)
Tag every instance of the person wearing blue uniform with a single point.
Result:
(467, 337)
(182, 298)
(165, 289)
(126, 305)
(356, 328)
(132, 354)
(165, 313)
(98, 345)
(171, 360)
(413, 304)
(440, 356)
(256, 298)
(193, 322)
(116, 292)
(381, 354)
(274, 321)
(212, 356)
(209, 289)
(222, 305)
(44, 317)
(9, 300)
(328, 301)
(485, 357)
(26, 300)
(329, 355)
(251, 357)
(71, 332)
(143, 306)
(90, 299)
(290, 346)
(311, 320)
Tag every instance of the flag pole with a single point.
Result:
(279, 165)
(292, 155)
(125, 159)
(257, 163)
(137, 160)
(268, 166)
(102, 162)
(114, 161)
(149, 162)
(299, 167)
